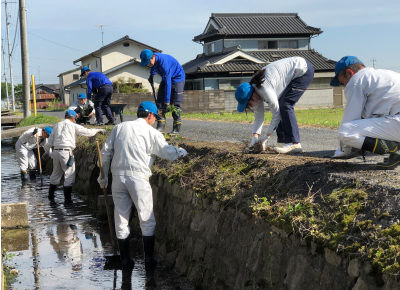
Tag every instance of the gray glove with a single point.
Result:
(264, 141)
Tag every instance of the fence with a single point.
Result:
(221, 100)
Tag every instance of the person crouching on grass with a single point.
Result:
(279, 84)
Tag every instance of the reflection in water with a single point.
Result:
(67, 246)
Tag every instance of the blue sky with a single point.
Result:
(367, 29)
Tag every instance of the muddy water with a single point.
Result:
(65, 248)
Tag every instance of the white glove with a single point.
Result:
(102, 131)
(264, 141)
(253, 141)
(183, 152)
(103, 182)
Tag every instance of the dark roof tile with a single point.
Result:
(205, 64)
(258, 23)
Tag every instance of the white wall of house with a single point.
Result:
(113, 56)
(65, 80)
(137, 72)
(254, 44)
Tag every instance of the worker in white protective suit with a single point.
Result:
(63, 139)
(83, 108)
(371, 118)
(24, 150)
(132, 147)
(280, 84)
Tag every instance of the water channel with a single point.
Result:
(66, 248)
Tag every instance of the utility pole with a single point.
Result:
(5, 74)
(373, 62)
(39, 74)
(24, 58)
(102, 32)
(9, 57)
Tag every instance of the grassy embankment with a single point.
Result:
(294, 194)
(39, 119)
(327, 118)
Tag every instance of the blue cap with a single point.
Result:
(243, 94)
(81, 96)
(48, 130)
(148, 107)
(70, 113)
(85, 68)
(145, 56)
(341, 65)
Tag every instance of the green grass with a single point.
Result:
(328, 118)
(39, 119)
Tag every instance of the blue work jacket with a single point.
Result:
(96, 80)
(170, 71)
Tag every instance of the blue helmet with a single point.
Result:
(148, 107)
(48, 130)
(145, 57)
(85, 68)
(70, 113)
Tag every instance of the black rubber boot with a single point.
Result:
(32, 174)
(126, 261)
(149, 262)
(176, 127)
(67, 195)
(52, 190)
(381, 147)
(161, 125)
(24, 176)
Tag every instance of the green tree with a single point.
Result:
(18, 89)
(3, 90)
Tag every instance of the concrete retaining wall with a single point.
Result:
(223, 248)
(14, 215)
(219, 248)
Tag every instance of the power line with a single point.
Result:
(15, 35)
(373, 62)
(57, 43)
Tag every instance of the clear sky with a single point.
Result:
(368, 29)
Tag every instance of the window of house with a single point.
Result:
(96, 63)
(228, 84)
(75, 77)
(291, 44)
(88, 66)
(267, 44)
(192, 86)
(73, 97)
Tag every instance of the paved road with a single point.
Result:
(315, 141)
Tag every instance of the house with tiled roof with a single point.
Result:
(118, 59)
(236, 45)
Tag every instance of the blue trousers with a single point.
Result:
(176, 97)
(288, 130)
(102, 103)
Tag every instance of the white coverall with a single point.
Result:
(63, 139)
(24, 149)
(76, 104)
(372, 108)
(132, 146)
(278, 76)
